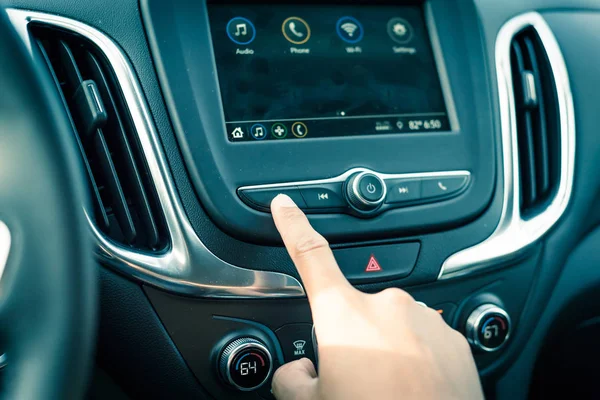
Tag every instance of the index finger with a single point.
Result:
(307, 248)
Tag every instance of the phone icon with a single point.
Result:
(299, 129)
(292, 27)
(296, 30)
(441, 186)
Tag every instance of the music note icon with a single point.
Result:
(242, 28)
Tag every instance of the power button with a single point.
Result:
(370, 187)
(365, 191)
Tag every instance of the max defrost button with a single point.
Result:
(262, 198)
(327, 195)
(377, 263)
(296, 342)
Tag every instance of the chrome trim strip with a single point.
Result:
(188, 266)
(343, 177)
(514, 234)
(5, 242)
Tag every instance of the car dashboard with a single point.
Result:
(443, 147)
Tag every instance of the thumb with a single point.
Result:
(296, 380)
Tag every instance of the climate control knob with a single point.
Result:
(365, 191)
(488, 327)
(245, 364)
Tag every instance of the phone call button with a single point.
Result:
(299, 129)
(296, 30)
(444, 186)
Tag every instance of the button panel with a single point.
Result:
(331, 195)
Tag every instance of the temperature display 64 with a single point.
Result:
(249, 368)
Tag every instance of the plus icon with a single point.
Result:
(279, 130)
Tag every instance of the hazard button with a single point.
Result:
(373, 265)
(377, 263)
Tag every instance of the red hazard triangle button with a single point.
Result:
(373, 265)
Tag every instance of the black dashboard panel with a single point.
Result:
(181, 39)
(198, 327)
(435, 247)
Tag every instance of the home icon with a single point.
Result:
(238, 133)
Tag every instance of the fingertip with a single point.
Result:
(308, 366)
(282, 201)
(294, 378)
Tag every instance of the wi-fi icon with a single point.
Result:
(350, 28)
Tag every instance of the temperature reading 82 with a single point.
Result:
(415, 125)
(246, 367)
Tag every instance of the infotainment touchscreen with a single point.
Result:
(301, 72)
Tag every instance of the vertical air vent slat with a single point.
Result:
(71, 74)
(543, 169)
(537, 127)
(525, 126)
(125, 162)
(125, 205)
(118, 201)
(100, 216)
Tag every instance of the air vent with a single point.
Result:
(125, 205)
(537, 118)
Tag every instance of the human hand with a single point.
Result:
(371, 346)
